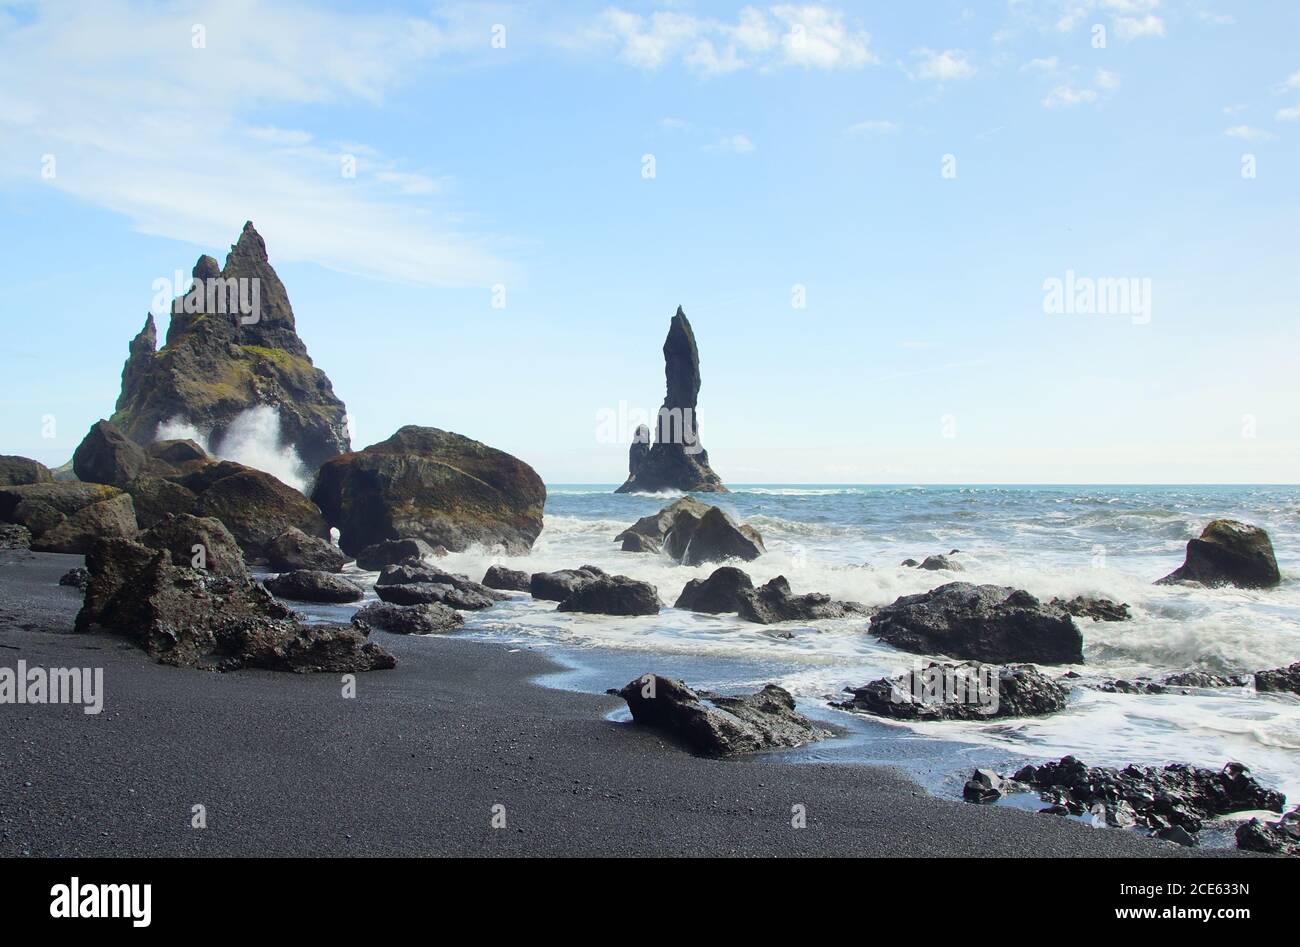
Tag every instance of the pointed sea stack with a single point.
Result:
(677, 459)
(232, 345)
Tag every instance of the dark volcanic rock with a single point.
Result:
(612, 595)
(1098, 609)
(772, 602)
(43, 506)
(13, 536)
(657, 526)
(78, 578)
(253, 505)
(511, 580)
(409, 619)
(1150, 796)
(106, 455)
(559, 585)
(306, 585)
(179, 535)
(155, 498)
(941, 564)
(1203, 680)
(392, 551)
(1279, 679)
(635, 542)
(114, 517)
(413, 572)
(677, 459)
(717, 538)
(189, 618)
(426, 593)
(423, 483)
(693, 533)
(986, 786)
(982, 623)
(715, 725)
(181, 454)
(721, 592)
(1228, 553)
(16, 471)
(969, 691)
(1274, 838)
(221, 359)
(293, 550)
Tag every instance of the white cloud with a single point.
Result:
(783, 35)
(1130, 19)
(1292, 81)
(1064, 96)
(873, 127)
(1107, 80)
(1248, 133)
(1045, 64)
(943, 66)
(737, 144)
(1216, 19)
(1290, 114)
(143, 123)
(1129, 28)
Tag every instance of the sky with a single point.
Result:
(885, 221)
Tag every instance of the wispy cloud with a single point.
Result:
(737, 144)
(945, 66)
(1249, 133)
(1066, 95)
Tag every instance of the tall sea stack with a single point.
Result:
(231, 345)
(677, 459)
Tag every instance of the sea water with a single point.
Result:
(849, 541)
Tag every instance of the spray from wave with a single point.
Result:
(253, 439)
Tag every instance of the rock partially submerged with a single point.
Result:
(559, 585)
(1228, 552)
(988, 623)
(939, 563)
(612, 595)
(392, 551)
(443, 488)
(293, 550)
(307, 585)
(968, 691)
(425, 619)
(1098, 609)
(1279, 680)
(1274, 838)
(693, 533)
(723, 591)
(773, 602)
(509, 580)
(677, 459)
(715, 725)
(1152, 797)
(191, 618)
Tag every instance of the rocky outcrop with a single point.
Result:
(65, 516)
(722, 591)
(510, 580)
(394, 551)
(1273, 838)
(232, 344)
(969, 691)
(559, 585)
(197, 542)
(408, 619)
(13, 536)
(428, 593)
(16, 471)
(106, 455)
(423, 483)
(253, 505)
(1228, 553)
(612, 595)
(677, 459)
(715, 725)
(78, 578)
(307, 585)
(191, 618)
(111, 517)
(1098, 609)
(693, 533)
(989, 623)
(1148, 796)
(773, 602)
(155, 498)
(1279, 680)
(293, 550)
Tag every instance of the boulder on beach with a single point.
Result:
(255, 506)
(989, 623)
(1272, 838)
(509, 580)
(106, 455)
(111, 517)
(612, 595)
(427, 593)
(191, 618)
(968, 691)
(13, 536)
(425, 619)
(293, 550)
(559, 585)
(412, 572)
(392, 551)
(41, 507)
(714, 725)
(197, 542)
(440, 487)
(722, 591)
(773, 602)
(308, 585)
(232, 347)
(1228, 552)
(1098, 609)
(78, 578)
(693, 533)
(157, 497)
(16, 471)
(677, 459)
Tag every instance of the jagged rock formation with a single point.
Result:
(432, 485)
(693, 533)
(16, 471)
(219, 360)
(677, 459)
(969, 691)
(1228, 553)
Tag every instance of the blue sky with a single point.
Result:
(793, 146)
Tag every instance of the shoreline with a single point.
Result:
(414, 765)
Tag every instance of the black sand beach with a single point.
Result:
(414, 765)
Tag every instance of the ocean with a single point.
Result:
(849, 541)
